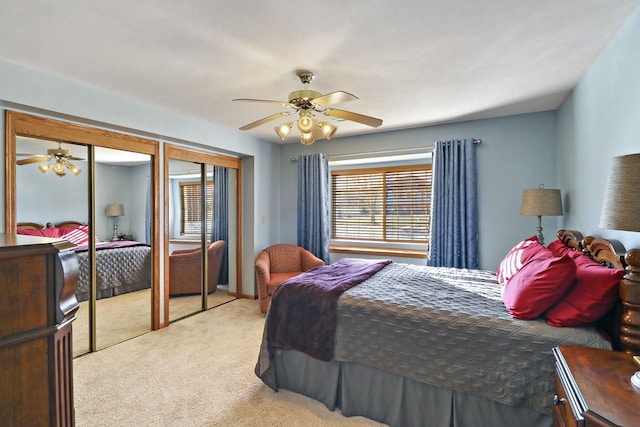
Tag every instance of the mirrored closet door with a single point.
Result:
(123, 256)
(201, 215)
(97, 189)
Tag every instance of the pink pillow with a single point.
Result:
(593, 294)
(29, 232)
(558, 248)
(518, 256)
(52, 232)
(77, 235)
(538, 285)
(45, 232)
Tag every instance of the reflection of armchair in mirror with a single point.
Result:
(185, 267)
(193, 222)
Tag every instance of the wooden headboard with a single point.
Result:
(38, 226)
(31, 225)
(623, 323)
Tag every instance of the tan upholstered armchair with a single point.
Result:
(185, 266)
(278, 263)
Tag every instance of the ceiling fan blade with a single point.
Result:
(334, 98)
(74, 158)
(27, 154)
(264, 120)
(266, 101)
(35, 159)
(354, 117)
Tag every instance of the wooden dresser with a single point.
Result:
(593, 388)
(37, 305)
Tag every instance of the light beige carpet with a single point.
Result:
(199, 371)
(128, 315)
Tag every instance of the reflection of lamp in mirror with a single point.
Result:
(541, 201)
(115, 210)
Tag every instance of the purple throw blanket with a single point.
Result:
(302, 314)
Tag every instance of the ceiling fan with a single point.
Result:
(305, 102)
(61, 159)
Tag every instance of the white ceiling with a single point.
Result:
(410, 62)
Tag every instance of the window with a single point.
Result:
(190, 197)
(390, 204)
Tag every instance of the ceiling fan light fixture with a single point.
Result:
(284, 129)
(74, 170)
(307, 139)
(305, 123)
(59, 170)
(328, 130)
(306, 102)
(44, 168)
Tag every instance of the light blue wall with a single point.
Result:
(517, 152)
(598, 121)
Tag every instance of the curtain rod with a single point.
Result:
(397, 150)
(476, 141)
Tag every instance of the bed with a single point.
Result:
(423, 346)
(121, 266)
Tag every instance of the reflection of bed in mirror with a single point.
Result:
(121, 266)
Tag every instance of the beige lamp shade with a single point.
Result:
(541, 201)
(621, 205)
(114, 210)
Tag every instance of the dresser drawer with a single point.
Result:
(593, 388)
(563, 413)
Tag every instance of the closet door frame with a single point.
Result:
(22, 124)
(177, 152)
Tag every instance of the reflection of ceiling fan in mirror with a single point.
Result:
(59, 160)
(305, 102)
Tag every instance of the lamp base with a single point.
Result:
(115, 230)
(539, 230)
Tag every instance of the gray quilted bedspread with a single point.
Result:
(118, 271)
(449, 328)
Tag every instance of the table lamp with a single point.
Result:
(115, 210)
(541, 201)
(621, 211)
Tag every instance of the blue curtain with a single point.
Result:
(454, 214)
(220, 226)
(313, 204)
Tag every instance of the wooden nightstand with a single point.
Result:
(593, 388)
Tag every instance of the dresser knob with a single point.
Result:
(558, 400)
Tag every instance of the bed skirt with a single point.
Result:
(112, 292)
(359, 390)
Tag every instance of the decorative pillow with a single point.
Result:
(592, 295)
(538, 285)
(518, 256)
(29, 232)
(45, 232)
(77, 235)
(558, 248)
